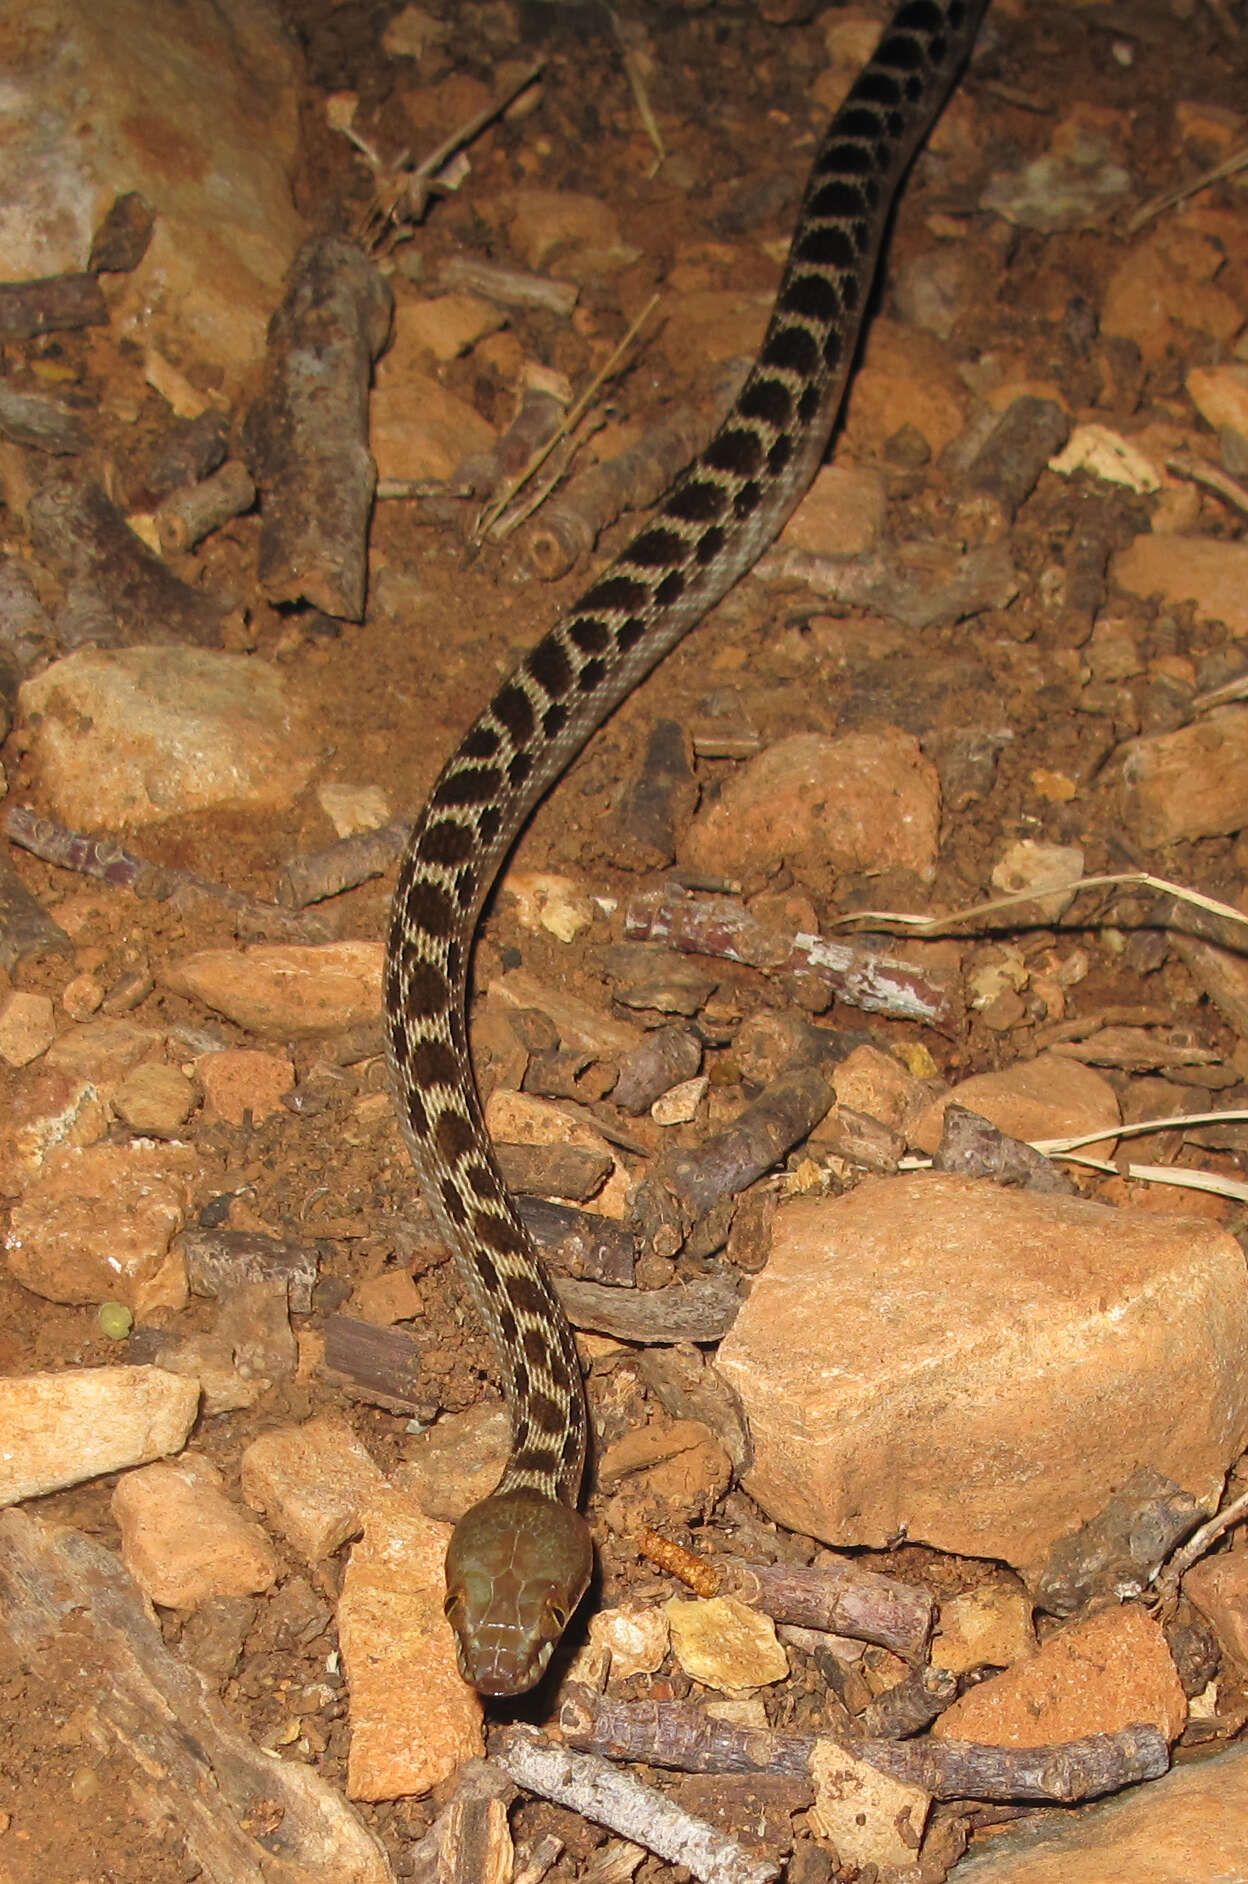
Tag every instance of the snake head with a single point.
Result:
(517, 1565)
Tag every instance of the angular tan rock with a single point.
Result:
(1192, 782)
(867, 1816)
(418, 428)
(989, 1626)
(841, 514)
(183, 1541)
(906, 379)
(636, 1639)
(105, 1050)
(979, 1368)
(1219, 1588)
(1189, 1827)
(59, 1429)
(875, 1083)
(1220, 395)
(126, 736)
(392, 1296)
(238, 1080)
(445, 325)
(286, 989)
(47, 1109)
(1206, 570)
(859, 801)
(1093, 1677)
(722, 1643)
(1048, 1097)
(155, 1100)
(413, 1720)
(312, 1482)
(27, 1027)
(517, 1118)
(96, 1225)
(460, 1460)
(543, 222)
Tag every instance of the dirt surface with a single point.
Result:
(732, 92)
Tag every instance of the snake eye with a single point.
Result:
(451, 1604)
(557, 1617)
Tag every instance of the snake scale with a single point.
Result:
(519, 1561)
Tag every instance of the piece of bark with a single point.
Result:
(1008, 465)
(971, 1146)
(680, 1736)
(477, 1782)
(308, 436)
(572, 1172)
(598, 1791)
(26, 633)
(385, 1366)
(185, 453)
(919, 585)
(68, 1606)
(841, 1598)
(539, 418)
(101, 856)
(25, 925)
(861, 1140)
(509, 287)
(83, 534)
(659, 801)
(857, 972)
(654, 1066)
(567, 526)
(731, 1160)
(41, 423)
(1117, 1553)
(188, 515)
(121, 241)
(910, 1705)
(344, 865)
(218, 1261)
(49, 305)
(703, 1310)
(579, 1244)
(567, 1073)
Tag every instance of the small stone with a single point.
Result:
(868, 1817)
(636, 1639)
(155, 1100)
(414, 1721)
(453, 1465)
(183, 1541)
(544, 222)
(876, 1084)
(312, 1482)
(354, 808)
(517, 1118)
(128, 736)
(860, 801)
(1048, 1097)
(250, 1347)
(1220, 395)
(1028, 865)
(1192, 782)
(242, 1080)
(104, 1050)
(445, 325)
(115, 1319)
(841, 515)
(81, 997)
(1093, 1677)
(1209, 571)
(1218, 1586)
(27, 1027)
(418, 428)
(987, 1627)
(546, 900)
(47, 1111)
(286, 989)
(96, 1225)
(680, 1103)
(387, 1298)
(59, 1429)
(724, 1644)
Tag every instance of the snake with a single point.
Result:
(520, 1560)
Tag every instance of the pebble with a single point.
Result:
(1192, 782)
(444, 325)
(1048, 1097)
(286, 989)
(454, 1464)
(48, 1110)
(637, 1639)
(392, 1296)
(132, 736)
(242, 1080)
(987, 1627)
(354, 808)
(724, 1644)
(59, 1429)
(1218, 1586)
(183, 1541)
(859, 801)
(841, 514)
(155, 1100)
(867, 1816)
(979, 1369)
(96, 1225)
(680, 1103)
(312, 1482)
(414, 1721)
(517, 1118)
(27, 1027)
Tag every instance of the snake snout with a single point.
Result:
(517, 1566)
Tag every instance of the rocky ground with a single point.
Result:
(905, 1429)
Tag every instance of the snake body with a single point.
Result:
(519, 1561)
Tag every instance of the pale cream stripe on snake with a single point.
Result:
(519, 1562)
